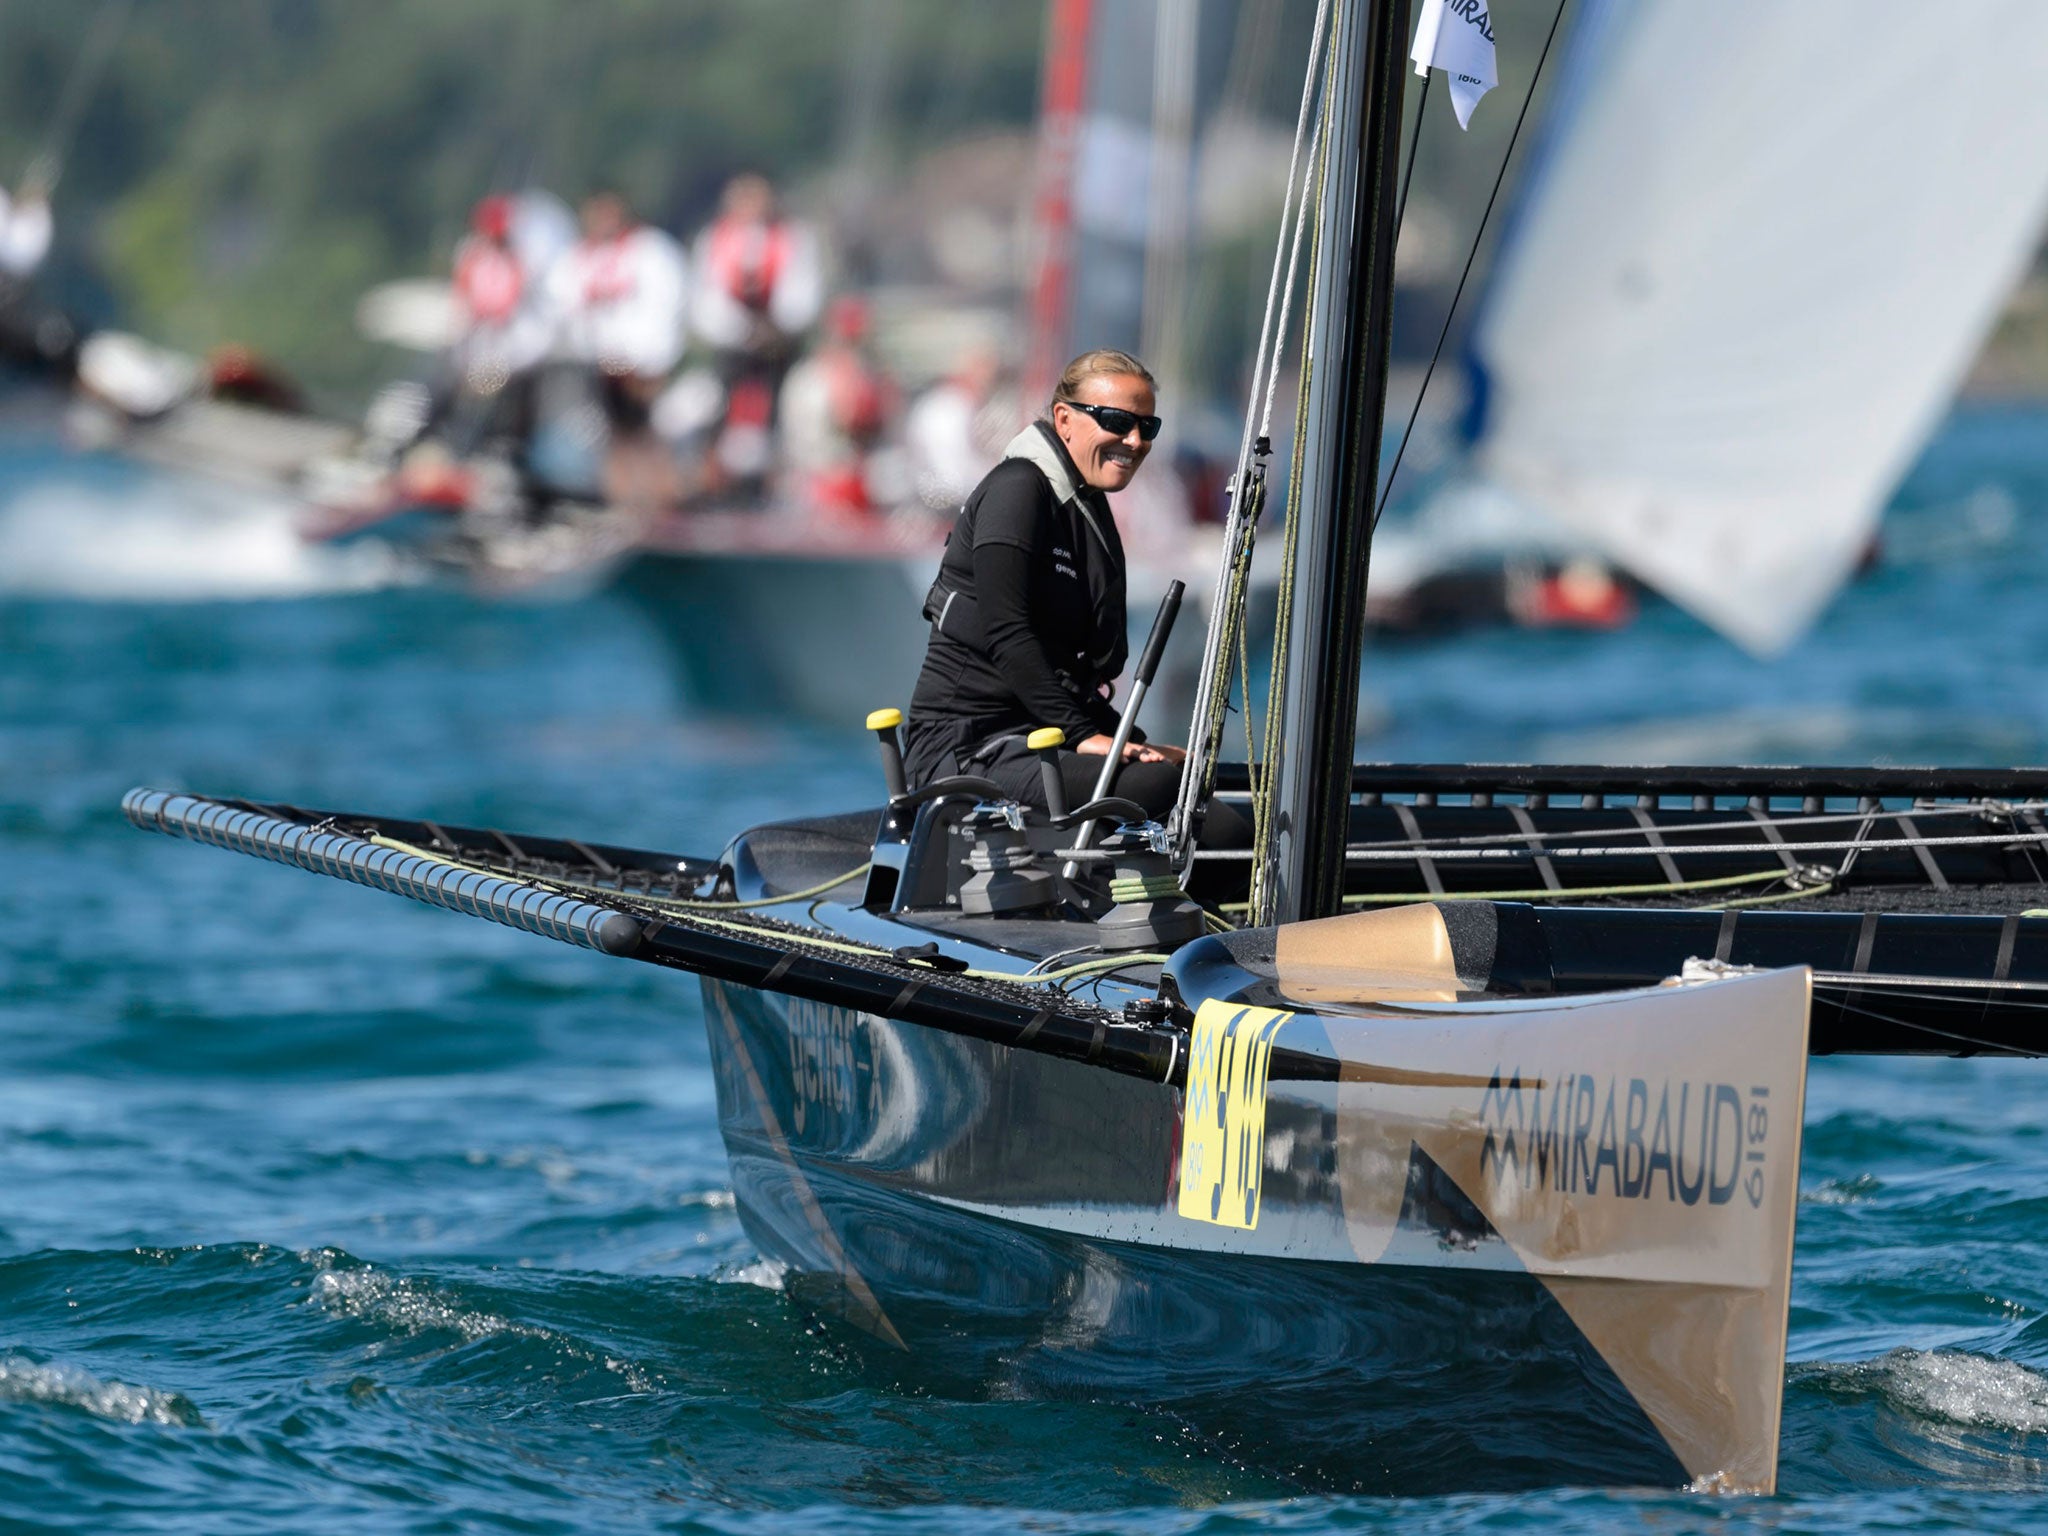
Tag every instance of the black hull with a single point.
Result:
(1337, 1262)
(936, 1235)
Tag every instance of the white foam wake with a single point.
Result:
(31, 1381)
(769, 1274)
(399, 1303)
(415, 1307)
(1979, 1391)
(172, 542)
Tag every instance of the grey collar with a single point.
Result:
(1037, 446)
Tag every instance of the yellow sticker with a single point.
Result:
(1223, 1122)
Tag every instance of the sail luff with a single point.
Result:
(1762, 256)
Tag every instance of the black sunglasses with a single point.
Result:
(1118, 423)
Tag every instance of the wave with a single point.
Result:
(413, 1307)
(1953, 1387)
(31, 1381)
(768, 1274)
(1855, 1190)
(1917, 1418)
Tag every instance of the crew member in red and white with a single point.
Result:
(760, 287)
(619, 295)
(837, 405)
(505, 328)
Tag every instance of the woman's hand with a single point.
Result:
(1134, 751)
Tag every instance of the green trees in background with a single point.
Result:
(246, 168)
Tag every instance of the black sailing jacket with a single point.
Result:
(1027, 613)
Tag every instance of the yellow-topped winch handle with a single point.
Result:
(1046, 742)
(883, 723)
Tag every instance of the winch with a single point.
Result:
(1006, 875)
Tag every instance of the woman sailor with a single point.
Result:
(1027, 613)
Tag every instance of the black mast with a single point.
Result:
(1347, 348)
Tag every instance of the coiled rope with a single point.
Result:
(1135, 888)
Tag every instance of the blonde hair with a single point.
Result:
(1102, 363)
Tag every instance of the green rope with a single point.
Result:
(1546, 894)
(1251, 746)
(1764, 901)
(1130, 888)
(1667, 888)
(1265, 792)
(1080, 968)
(692, 904)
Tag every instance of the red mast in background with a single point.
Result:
(1059, 132)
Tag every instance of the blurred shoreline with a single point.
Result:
(2014, 363)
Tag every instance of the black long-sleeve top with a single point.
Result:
(1036, 623)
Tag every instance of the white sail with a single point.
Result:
(1764, 245)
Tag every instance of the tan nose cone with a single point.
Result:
(1638, 1152)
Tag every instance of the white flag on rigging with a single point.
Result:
(1456, 36)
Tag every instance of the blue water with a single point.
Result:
(321, 1208)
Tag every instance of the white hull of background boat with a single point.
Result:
(778, 626)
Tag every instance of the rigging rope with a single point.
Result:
(1414, 144)
(1977, 809)
(1581, 893)
(1247, 485)
(1997, 1046)
(1226, 622)
(1387, 486)
(1553, 845)
(46, 168)
(1445, 851)
(1265, 792)
(1855, 980)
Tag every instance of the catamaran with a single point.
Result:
(1448, 1138)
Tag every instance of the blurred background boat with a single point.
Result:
(1676, 366)
(1116, 207)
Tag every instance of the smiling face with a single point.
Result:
(1106, 463)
